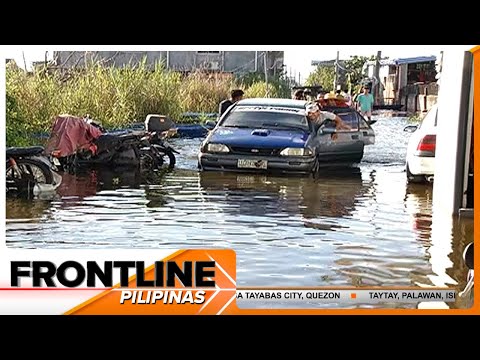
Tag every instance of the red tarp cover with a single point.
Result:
(70, 134)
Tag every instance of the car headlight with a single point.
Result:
(217, 148)
(296, 152)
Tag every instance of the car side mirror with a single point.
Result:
(410, 128)
(210, 124)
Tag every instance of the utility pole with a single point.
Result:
(24, 61)
(335, 80)
(376, 75)
(266, 72)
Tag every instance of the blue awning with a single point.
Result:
(400, 61)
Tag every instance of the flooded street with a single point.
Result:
(355, 227)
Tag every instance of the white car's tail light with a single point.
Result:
(427, 145)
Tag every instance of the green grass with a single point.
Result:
(117, 97)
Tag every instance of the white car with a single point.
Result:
(420, 162)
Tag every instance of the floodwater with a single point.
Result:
(356, 227)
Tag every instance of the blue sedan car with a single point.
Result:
(274, 135)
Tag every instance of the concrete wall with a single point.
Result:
(181, 60)
(422, 103)
(411, 103)
(402, 76)
(243, 61)
(228, 61)
(418, 103)
(68, 59)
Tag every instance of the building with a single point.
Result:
(453, 185)
(11, 63)
(236, 62)
(409, 82)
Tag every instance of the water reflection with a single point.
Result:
(25, 210)
(331, 195)
(361, 227)
(418, 204)
(88, 183)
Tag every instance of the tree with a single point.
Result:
(354, 67)
(323, 76)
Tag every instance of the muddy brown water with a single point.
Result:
(355, 227)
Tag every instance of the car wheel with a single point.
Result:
(414, 179)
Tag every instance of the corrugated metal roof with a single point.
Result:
(326, 62)
(400, 61)
(415, 60)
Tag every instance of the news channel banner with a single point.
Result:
(169, 282)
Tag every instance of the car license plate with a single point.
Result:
(56, 162)
(252, 164)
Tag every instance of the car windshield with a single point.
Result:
(263, 117)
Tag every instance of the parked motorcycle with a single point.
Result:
(467, 293)
(159, 128)
(107, 150)
(157, 151)
(80, 143)
(29, 171)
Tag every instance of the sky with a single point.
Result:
(297, 58)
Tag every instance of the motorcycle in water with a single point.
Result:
(158, 128)
(29, 171)
(467, 293)
(157, 151)
(79, 143)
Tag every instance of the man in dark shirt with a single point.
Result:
(235, 95)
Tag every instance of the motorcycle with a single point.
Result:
(81, 143)
(159, 128)
(467, 293)
(106, 150)
(156, 149)
(29, 171)
(154, 146)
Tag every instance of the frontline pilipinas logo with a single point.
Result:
(187, 282)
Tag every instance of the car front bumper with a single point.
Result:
(229, 162)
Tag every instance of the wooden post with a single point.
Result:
(376, 74)
(24, 61)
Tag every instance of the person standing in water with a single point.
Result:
(365, 103)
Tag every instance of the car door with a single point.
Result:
(366, 132)
(340, 146)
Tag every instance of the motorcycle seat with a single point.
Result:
(24, 151)
(132, 135)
